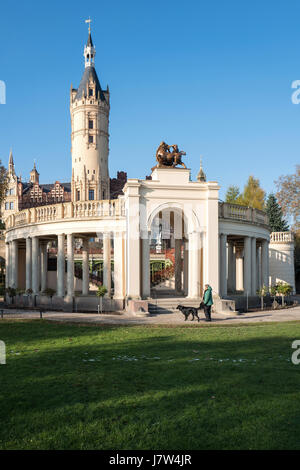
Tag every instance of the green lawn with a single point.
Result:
(90, 387)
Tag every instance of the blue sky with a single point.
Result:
(213, 77)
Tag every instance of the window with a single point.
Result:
(7, 206)
(11, 205)
(91, 194)
(78, 195)
(91, 139)
(91, 92)
(91, 124)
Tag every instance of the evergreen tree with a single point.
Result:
(274, 211)
(232, 194)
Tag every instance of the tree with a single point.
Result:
(101, 293)
(274, 211)
(232, 194)
(253, 195)
(297, 260)
(288, 195)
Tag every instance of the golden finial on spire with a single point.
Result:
(201, 177)
(89, 22)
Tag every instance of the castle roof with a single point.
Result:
(90, 74)
(45, 187)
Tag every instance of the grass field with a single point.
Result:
(90, 387)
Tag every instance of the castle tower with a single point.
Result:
(34, 175)
(89, 108)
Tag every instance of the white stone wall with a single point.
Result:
(281, 256)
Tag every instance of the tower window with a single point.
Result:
(91, 139)
(91, 92)
(91, 194)
(91, 124)
(78, 195)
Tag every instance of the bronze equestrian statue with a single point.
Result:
(166, 158)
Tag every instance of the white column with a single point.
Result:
(43, 266)
(70, 273)
(211, 256)
(194, 265)
(85, 267)
(119, 265)
(185, 268)
(107, 262)
(145, 267)
(14, 263)
(39, 265)
(223, 264)
(253, 266)
(133, 246)
(10, 265)
(247, 265)
(265, 263)
(234, 269)
(258, 268)
(178, 285)
(60, 289)
(28, 263)
(35, 260)
(230, 268)
(239, 269)
(7, 265)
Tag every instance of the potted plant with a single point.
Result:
(273, 292)
(262, 292)
(101, 291)
(283, 288)
(49, 293)
(11, 292)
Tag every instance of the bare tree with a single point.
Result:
(288, 196)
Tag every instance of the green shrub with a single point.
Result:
(283, 288)
(101, 291)
(11, 292)
(49, 292)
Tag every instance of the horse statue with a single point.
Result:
(166, 158)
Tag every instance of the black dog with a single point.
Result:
(186, 311)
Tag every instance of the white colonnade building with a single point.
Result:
(210, 242)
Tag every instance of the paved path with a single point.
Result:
(290, 314)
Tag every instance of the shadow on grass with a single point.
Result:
(77, 387)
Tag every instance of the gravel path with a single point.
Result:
(118, 318)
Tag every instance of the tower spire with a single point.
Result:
(89, 49)
(11, 165)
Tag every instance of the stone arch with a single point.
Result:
(191, 221)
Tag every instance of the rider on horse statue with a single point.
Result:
(166, 158)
